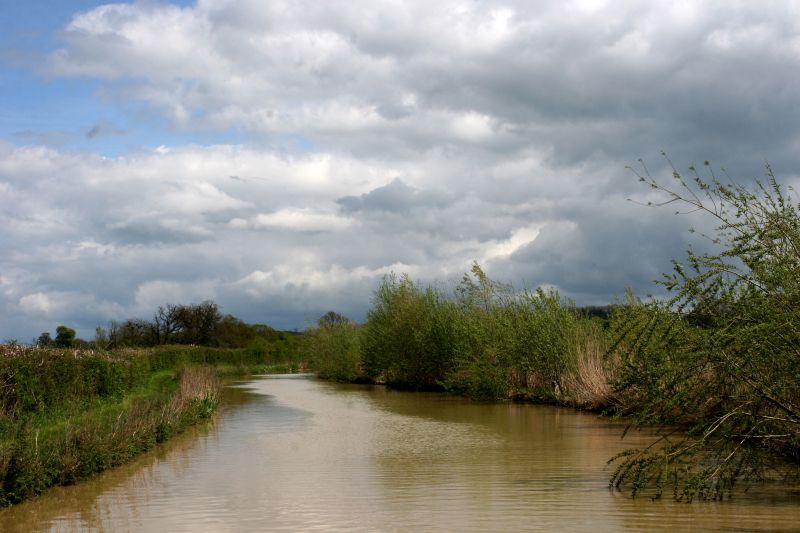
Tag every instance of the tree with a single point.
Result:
(65, 336)
(331, 319)
(44, 340)
(165, 322)
(230, 332)
(721, 358)
(101, 338)
(198, 322)
(132, 332)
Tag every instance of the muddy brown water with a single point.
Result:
(290, 453)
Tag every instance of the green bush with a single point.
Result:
(511, 343)
(410, 335)
(537, 334)
(334, 348)
(720, 358)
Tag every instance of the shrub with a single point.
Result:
(721, 357)
(334, 348)
(410, 335)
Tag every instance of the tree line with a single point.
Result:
(201, 324)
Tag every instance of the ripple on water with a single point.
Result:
(298, 454)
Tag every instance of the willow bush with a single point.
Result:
(539, 331)
(411, 336)
(484, 340)
(480, 366)
(721, 358)
(512, 343)
(334, 348)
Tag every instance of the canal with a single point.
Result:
(291, 453)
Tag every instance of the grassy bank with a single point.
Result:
(68, 414)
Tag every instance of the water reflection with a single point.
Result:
(298, 454)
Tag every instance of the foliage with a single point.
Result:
(73, 441)
(65, 336)
(44, 340)
(334, 348)
(538, 329)
(722, 357)
(521, 344)
(66, 414)
(485, 340)
(480, 369)
(197, 324)
(410, 337)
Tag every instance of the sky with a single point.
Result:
(281, 157)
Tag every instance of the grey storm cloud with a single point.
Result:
(422, 136)
(395, 197)
(148, 229)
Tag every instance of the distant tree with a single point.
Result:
(114, 334)
(198, 322)
(332, 318)
(65, 336)
(80, 344)
(101, 338)
(201, 324)
(44, 340)
(132, 332)
(166, 324)
(595, 311)
(230, 332)
(265, 331)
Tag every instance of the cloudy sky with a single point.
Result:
(280, 157)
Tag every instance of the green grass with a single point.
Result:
(67, 415)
